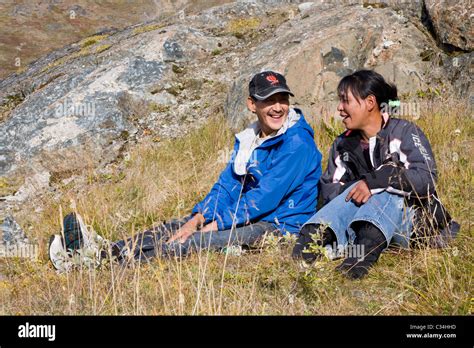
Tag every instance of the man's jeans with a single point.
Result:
(152, 243)
(385, 210)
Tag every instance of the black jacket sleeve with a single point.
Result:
(411, 167)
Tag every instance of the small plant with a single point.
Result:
(428, 93)
(102, 48)
(60, 61)
(10, 185)
(241, 27)
(156, 107)
(147, 28)
(316, 246)
(331, 128)
(10, 102)
(3, 182)
(5, 187)
(374, 4)
(14, 99)
(177, 69)
(176, 89)
(427, 55)
(92, 40)
(216, 52)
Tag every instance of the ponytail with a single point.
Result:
(363, 83)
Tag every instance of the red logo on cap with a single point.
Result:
(272, 79)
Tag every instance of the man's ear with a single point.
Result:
(371, 102)
(251, 105)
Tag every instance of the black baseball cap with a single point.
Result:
(266, 84)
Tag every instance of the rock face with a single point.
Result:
(327, 41)
(101, 100)
(452, 22)
(81, 106)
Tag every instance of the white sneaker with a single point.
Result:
(88, 255)
(58, 255)
(234, 250)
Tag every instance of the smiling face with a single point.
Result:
(271, 112)
(354, 112)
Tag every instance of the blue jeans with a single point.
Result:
(152, 243)
(385, 210)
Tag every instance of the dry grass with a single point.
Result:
(243, 26)
(164, 180)
(92, 40)
(147, 28)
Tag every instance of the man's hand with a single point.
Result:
(212, 226)
(187, 229)
(360, 193)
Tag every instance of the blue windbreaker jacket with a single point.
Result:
(280, 187)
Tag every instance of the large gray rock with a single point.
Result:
(452, 22)
(80, 106)
(85, 102)
(327, 41)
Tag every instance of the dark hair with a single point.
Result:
(363, 83)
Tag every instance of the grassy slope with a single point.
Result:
(160, 182)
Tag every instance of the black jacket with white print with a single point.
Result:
(402, 163)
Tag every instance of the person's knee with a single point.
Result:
(303, 239)
(366, 230)
(309, 229)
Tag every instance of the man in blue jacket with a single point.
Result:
(269, 184)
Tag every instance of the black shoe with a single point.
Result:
(445, 236)
(374, 242)
(112, 253)
(305, 238)
(354, 268)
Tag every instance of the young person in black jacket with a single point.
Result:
(380, 170)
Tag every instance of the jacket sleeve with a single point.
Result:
(331, 181)
(412, 167)
(224, 192)
(285, 176)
